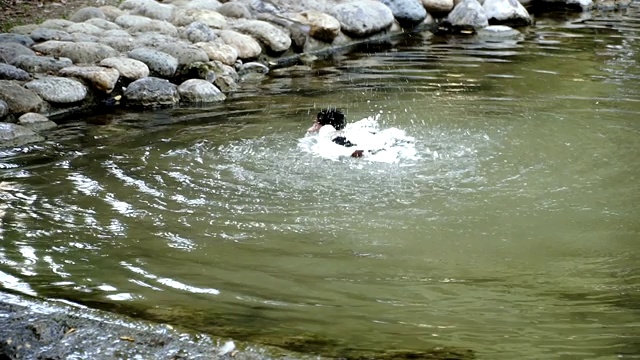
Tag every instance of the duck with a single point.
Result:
(359, 139)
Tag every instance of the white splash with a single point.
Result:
(390, 145)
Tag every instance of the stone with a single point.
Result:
(103, 24)
(4, 109)
(506, 12)
(58, 90)
(253, 67)
(246, 46)
(236, 10)
(24, 29)
(57, 24)
(10, 72)
(407, 12)
(23, 40)
(467, 15)
(321, 26)
(363, 18)
(79, 53)
(438, 6)
(127, 20)
(46, 34)
(203, 4)
(36, 122)
(159, 63)
(155, 26)
(199, 91)
(271, 36)
(19, 99)
(101, 78)
(151, 91)
(85, 28)
(149, 8)
(85, 38)
(184, 53)
(11, 50)
(584, 5)
(87, 13)
(111, 12)
(499, 33)
(186, 16)
(128, 68)
(121, 43)
(16, 135)
(199, 32)
(219, 51)
(41, 64)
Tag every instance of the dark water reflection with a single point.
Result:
(514, 234)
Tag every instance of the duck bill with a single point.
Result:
(315, 127)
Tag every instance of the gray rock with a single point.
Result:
(159, 63)
(15, 135)
(58, 90)
(4, 109)
(127, 20)
(219, 51)
(24, 29)
(128, 68)
(236, 10)
(23, 40)
(271, 36)
(407, 12)
(46, 34)
(363, 18)
(41, 64)
(213, 19)
(19, 99)
(151, 91)
(253, 67)
(10, 72)
(85, 28)
(119, 43)
(112, 12)
(203, 4)
(199, 32)
(199, 91)
(36, 122)
(321, 26)
(103, 24)
(87, 13)
(155, 26)
(57, 24)
(149, 8)
(86, 38)
(11, 50)
(79, 53)
(184, 53)
(498, 33)
(506, 12)
(116, 32)
(100, 78)
(438, 6)
(583, 4)
(467, 15)
(246, 46)
(153, 40)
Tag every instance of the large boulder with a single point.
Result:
(506, 12)
(16, 135)
(19, 99)
(58, 90)
(151, 91)
(363, 18)
(407, 12)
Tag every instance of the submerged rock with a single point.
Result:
(151, 91)
(199, 91)
(10, 72)
(159, 63)
(16, 135)
(363, 18)
(36, 122)
(19, 99)
(58, 90)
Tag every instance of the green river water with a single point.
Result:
(515, 233)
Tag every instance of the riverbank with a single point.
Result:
(142, 53)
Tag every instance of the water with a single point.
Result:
(514, 233)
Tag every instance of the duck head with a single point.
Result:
(330, 116)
